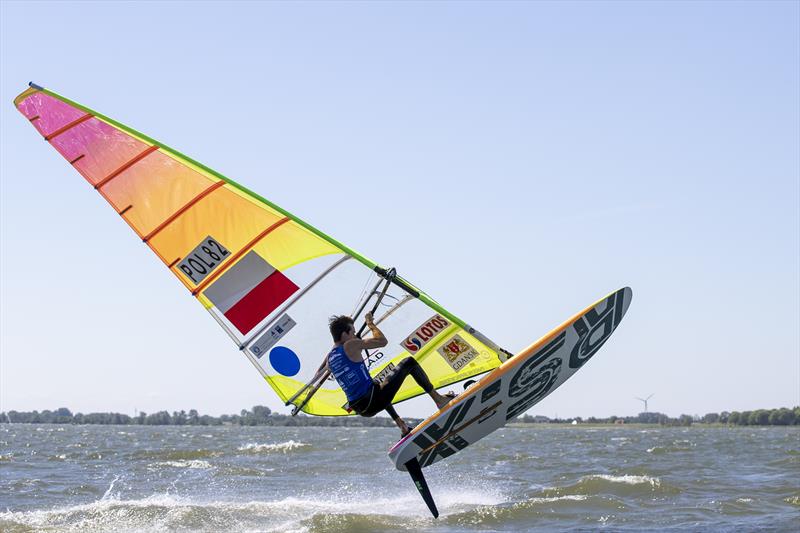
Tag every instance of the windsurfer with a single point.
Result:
(367, 396)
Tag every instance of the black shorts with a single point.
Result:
(380, 396)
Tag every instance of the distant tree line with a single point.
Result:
(262, 416)
(760, 417)
(258, 416)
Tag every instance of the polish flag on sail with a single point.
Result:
(249, 291)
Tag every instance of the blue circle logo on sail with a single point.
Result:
(284, 361)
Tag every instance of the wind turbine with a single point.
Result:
(644, 400)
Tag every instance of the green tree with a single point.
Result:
(781, 417)
(759, 417)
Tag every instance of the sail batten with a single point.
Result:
(268, 278)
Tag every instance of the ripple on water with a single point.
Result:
(175, 455)
(705, 479)
(193, 463)
(281, 447)
(532, 509)
(329, 512)
(621, 485)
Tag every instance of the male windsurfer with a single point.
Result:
(367, 396)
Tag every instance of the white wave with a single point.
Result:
(193, 463)
(165, 512)
(99, 515)
(456, 496)
(109, 494)
(568, 497)
(628, 479)
(279, 447)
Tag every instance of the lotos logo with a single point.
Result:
(427, 331)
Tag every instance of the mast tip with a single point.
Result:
(33, 85)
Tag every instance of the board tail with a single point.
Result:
(422, 486)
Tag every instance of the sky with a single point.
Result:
(515, 160)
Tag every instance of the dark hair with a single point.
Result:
(338, 325)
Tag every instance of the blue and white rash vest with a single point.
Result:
(353, 378)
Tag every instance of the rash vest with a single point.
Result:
(352, 377)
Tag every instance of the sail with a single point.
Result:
(269, 279)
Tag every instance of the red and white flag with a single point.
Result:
(249, 291)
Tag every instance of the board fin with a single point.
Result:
(422, 486)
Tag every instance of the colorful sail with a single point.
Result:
(269, 279)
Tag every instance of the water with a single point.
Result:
(130, 478)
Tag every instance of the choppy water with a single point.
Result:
(128, 478)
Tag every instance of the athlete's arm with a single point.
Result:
(354, 347)
(378, 340)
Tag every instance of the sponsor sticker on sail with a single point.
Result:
(425, 333)
(457, 352)
(385, 373)
(271, 337)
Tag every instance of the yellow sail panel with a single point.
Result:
(325, 402)
(454, 356)
(230, 220)
(291, 244)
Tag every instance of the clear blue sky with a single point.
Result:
(516, 160)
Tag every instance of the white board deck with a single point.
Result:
(515, 386)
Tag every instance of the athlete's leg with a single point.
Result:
(382, 395)
(408, 366)
(404, 429)
(392, 412)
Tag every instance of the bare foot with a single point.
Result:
(441, 401)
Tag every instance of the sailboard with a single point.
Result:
(509, 390)
(515, 386)
(270, 281)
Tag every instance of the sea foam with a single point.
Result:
(282, 447)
